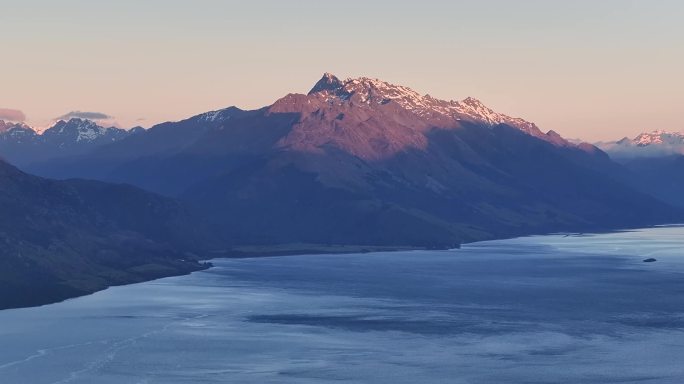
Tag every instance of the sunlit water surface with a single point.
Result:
(546, 309)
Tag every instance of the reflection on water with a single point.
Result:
(546, 309)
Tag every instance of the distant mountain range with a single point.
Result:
(657, 143)
(363, 161)
(654, 161)
(22, 145)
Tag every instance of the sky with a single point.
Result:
(595, 70)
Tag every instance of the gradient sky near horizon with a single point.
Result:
(594, 70)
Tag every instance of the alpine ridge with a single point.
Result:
(436, 112)
(22, 145)
(656, 143)
(654, 161)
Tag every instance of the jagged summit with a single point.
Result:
(375, 119)
(328, 82)
(6, 126)
(19, 133)
(74, 122)
(20, 144)
(371, 91)
(81, 130)
(220, 115)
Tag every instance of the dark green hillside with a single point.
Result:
(60, 239)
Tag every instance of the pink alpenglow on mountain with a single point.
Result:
(374, 119)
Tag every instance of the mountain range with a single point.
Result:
(657, 143)
(654, 163)
(22, 145)
(357, 163)
(363, 161)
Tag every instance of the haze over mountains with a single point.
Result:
(362, 161)
(657, 143)
(655, 161)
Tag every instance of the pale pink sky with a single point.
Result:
(588, 69)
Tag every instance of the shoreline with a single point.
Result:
(302, 249)
(282, 250)
(182, 268)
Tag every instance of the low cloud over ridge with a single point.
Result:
(84, 115)
(12, 115)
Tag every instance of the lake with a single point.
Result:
(542, 309)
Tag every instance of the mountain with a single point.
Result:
(80, 131)
(60, 239)
(657, 143)
(22, 145)
(662, 177)
(131, 160)
(363, 161)
(15, 133)
(433, 111)
(8, 126)
(654, 163)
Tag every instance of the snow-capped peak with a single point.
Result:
(83, 129)
(7, 126)
(219, 115)
(648, 144)
(659, 137)
(375, 91)
(328, 82)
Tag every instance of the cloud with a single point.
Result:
(84, 115)
(12, 115)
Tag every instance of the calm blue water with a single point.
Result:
(549, 309)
